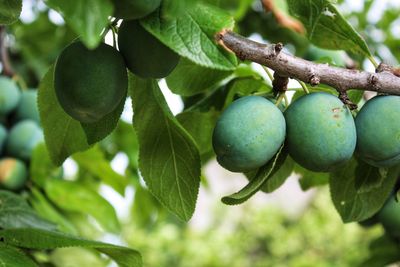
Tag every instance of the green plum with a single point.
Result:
(248, 134)
(389, 216)
(378, 131)
(321, 133)
(9, 95)
(27, 107)
(134, 9)
(13, 174)
(144, 54)
(90, 84)
(23, 138)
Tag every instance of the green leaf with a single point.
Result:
(87, 18)
(309, 179)
(279, 176)
(169, 160)
(41, 167)
(192, 35)
(10, 11)
(200, 126)
(358, 191)
(189, 79)
(94, 162)
(63, 135)
(46, 210)
(355, 96)
(255, 184)
(326, 27)
(16, 213)
(246, 86)
(42, 239)
(72, 196)
(11, 256)
(97, 131)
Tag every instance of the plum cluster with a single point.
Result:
(90, 84)
(320, 132)
(20, 132)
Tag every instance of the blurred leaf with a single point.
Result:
(326, 27)
(97, 131)
(16, 213)
(88, 18)
(358, 191)
(33, 45)
(42, 239)
(383, 252)
(200, 126)
(95, 163)
(310, 179)
(124, 139)
(63, 135)
(10, 11)
(12, 256)
(76, 256)
(46, 210)
(192, 35)
(189, 79)
(41, 167)
(72, 196)
(169, 159)
(255, 184)
(145, 208)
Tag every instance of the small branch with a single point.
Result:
(307, 71)
(283, 19)
(4, 58)
(280, 83)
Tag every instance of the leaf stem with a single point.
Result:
(280, 98)
(270, 76)
(304, 86)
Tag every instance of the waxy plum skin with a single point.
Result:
(378, 131)
(321, 133)
(248, 134)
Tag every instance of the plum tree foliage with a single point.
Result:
(82, 71)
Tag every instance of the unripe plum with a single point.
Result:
(13, 174)
(144, 54)
(248, 134)
(27, 107)
(90, 84)
(378, 131)
(389, 216)
(9, 95)
(23, 138)
(321, 133)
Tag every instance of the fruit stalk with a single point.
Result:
(291, 66)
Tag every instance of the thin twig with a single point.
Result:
(341, 79)
(4, 58)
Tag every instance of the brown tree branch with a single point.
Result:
(4, 58)
(307, 71)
